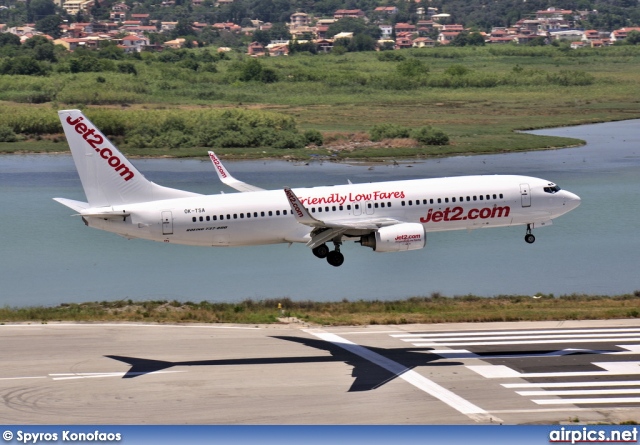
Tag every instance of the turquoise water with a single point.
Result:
(49, 257)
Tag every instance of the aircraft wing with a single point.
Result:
(328, 230)
(229, 180)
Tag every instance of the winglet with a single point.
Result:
(300, 211)
(229, 180)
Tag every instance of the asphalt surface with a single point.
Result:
(509, 373)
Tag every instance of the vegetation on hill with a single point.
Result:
(472, 97)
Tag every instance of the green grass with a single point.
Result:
(432, 309)
(506, 89)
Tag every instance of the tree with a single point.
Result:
(50, 25)
(39, 9)
(633, 38)
(7, 39)
(262, 37)
(183, 28)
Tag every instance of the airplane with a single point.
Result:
(389, 216)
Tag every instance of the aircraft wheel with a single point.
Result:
(529, 238)
(335, 258)
(321, 251)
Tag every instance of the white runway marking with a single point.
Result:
(126, 325)
(494, 338)
(94, 375)
(430, 387)
(23, 378)
(610, 369)
(572, 384)
(579, 392)
(603, 401)
(537, 332)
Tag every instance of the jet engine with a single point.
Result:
(397, 238)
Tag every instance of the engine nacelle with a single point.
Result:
(398, 238)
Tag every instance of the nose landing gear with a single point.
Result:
(529, 238)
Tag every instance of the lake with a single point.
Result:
(49, 257)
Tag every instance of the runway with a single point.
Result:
(490, 373)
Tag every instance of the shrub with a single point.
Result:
(430, 136)
(388, 131)
(7, 134)
(412, 68)
(289, 139)
(313, 137)
(457, 70)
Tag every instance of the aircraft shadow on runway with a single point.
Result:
(368, 375)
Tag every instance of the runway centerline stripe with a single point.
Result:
(430, 387)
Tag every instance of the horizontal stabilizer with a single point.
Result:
(78, 206)
(84, 209)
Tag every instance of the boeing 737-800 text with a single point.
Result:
(386, 216)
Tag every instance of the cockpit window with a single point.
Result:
(552, 188)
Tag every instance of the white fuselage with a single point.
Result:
(265, 217)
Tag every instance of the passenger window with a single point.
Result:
(208, 218)
(333, 208)
(453, 199)
(446, 199)
(481, 198)
(270, 213)
(235, 216)
(349, 207)
(278, 212)
(403, 203)
(262, 214)
(284, 212)
(439, 200)
(194, 219)
(215, 218)
(313, 210)
(201, 219)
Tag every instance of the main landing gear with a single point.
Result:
(529, 238)
(334, 257)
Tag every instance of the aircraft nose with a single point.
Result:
(571, 200)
